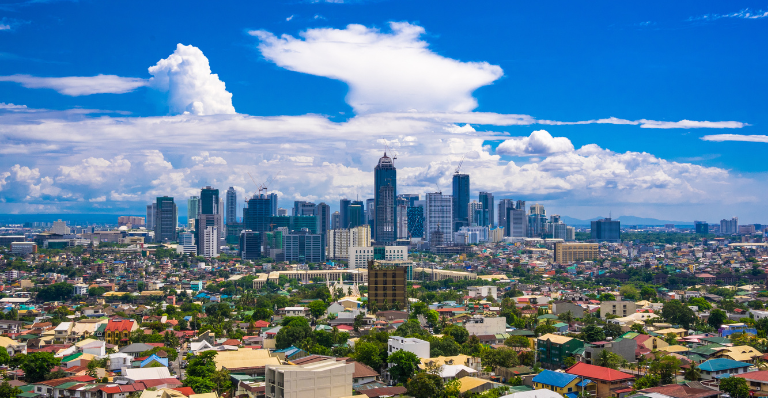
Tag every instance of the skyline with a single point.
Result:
(586, 115)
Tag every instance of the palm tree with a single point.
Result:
(692, 373)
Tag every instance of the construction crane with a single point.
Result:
(264, 186)
(458, 168)
(254, 183)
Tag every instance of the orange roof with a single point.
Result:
(597, 372)
(119, 326)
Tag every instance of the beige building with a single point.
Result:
(440, 274)
(340, 241)
(573, 252)
(619, 308)
(326, 379)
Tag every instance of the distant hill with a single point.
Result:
(625, 220)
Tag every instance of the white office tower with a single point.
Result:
(60, 227)
(570, 234)
(517, 222)
(211, 242)
(438, 212)
(402, 221)
(150, 223)
(339, 241)
(560, 231)
(360, 236)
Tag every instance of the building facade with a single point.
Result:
(438, 214)
(385, 192)
(165, 219)
(572, 252)
(231, 205)
(460, 201)
(606, 230)
(387, 286)
(359, 256)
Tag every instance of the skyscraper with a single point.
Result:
(416, 221)
(606, 230)
(504, 206)
(385, 191)
(356, 215)
(323, 225)
(517, 223)
(701, 227)
(211, 213)
(193, 207)
(438, 213)
(729, 226)
(257, 213)
(302, 208)
(151, 211)
(231, 205)
(402, 218)
(209, 201)
(273, 201)
(370, 211)
(165, 219)
(344, 212)
(460, 201)
(486, 203)
(250, 245)
(336, 220)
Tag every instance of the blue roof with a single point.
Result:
(571, 394)
(556, 379)
(584, 382)
(716, 365)
(153, 357)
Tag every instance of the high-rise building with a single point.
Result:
(323, 224)
(250, 245)
(486, 204)
(210, 204)
(410, 198)
(438, 212)
(204, 223)
(60, 227)
(476, 214)
(273, 200)
(504, 206)
(339, 241)
(302, 247)
(538, 209)
(165, 219)
(416, 221)
(257, 213)
(370, 211)
(554, 219)
(571, 252)
(570, 234)
(386, 285)
(460, 201)
(302, 208)
(559, 231)
(385, 192)
(356, 215)
(282, 212)
(336, 220)
(402, 218)
(210, 243)
(606, 230)
(193, 208)
(344, 211)
(151, 211)
(231, 205)
(209, 201)
(294, 223)
(517, 223)
(701, 227)
(728, 227)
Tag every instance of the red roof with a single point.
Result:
(346, 327)
(119, 326)
(185, 390)
(760, 375)
(597, 372)
(261, 324)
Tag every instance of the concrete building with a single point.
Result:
(624, 348)
(385, 194)
(554, 349)
(231, 206)
(165, 219)
(562, 307)
(729, 227)
(480, 326)
(517, 223)
(387, 286)
(23, 248)
(359, 256)
(483, 291)
(460, 207)
(412, 345)
(60, 227)
(210, 243)
(323, 379)
(572, 252)
(340, 241)
(606, 230)
(80, 289)
(619, 308)
(193, 209)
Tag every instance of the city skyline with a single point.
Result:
(585, 111)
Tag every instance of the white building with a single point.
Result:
(186, 249)
(326, 379)
(416, 346)
(481, 325)
(23, 248)
(60, 227)
(483, 291)
(359, 256)
(340, 241)
(210, 242)
(81, 289)
(438, 211)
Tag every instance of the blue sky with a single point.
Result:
(436, 81)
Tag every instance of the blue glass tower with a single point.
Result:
(385, 205)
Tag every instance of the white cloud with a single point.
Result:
(654, 124)
(5, 27)
(102, 198)
(393, 71)
(741, 14)
(186, 76)
(94, 171)
(80, 85)
(3, 105)
(289, 18)
(736, 137)
(537, 144)
(3, 179)
(206, 158)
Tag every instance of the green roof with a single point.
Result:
(630, 335)
(708, 349)
(548, 316)
(717, 340)
(560, 324)
(71, 357)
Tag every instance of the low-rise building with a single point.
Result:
(326, 379)
(713, 368)
(553, 349)
(416, 346)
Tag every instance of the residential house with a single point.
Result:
(625, 348)
(118, 331)
(609, 381)
(553, 349)
(565, 384)
(719, 367)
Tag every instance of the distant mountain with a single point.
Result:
(625, 220)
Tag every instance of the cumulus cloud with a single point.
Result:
(186, 76)
(80, 85)
(385, 71)
(93, 171)
(206, 158)
(537, 144)
(654, 124)
(735, 137)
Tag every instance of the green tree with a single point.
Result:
(647, 293)
(665, 368)
(410, 327)
(700, 302)
(646, 381)
(424, 385)
(629, 292)
(9, 391)
(56, 292)
(735, 386)
(37, 365)
(295, 329)
(692, 373)
(517, 341)
(5, 359)
(544, 329)
(717, 318)
(369, 354)
(593, 333)
(608, 359)
(607, 297)
(200, 385)
(459, 333)
(222, 381)
(677, 313)
(404, 365)
(202, 365)
(612, 330)
(317, 309)
(569, 361)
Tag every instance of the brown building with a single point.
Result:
(571, 252)
(386, 286)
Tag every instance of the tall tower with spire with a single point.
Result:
(385, 203)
